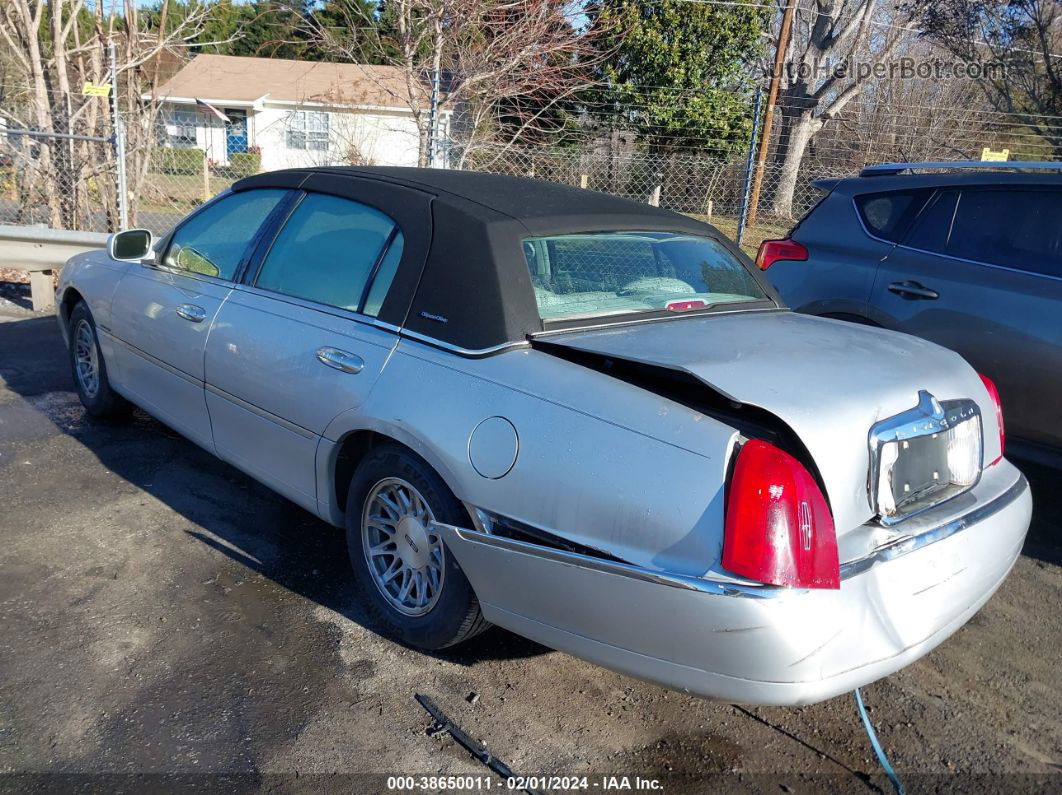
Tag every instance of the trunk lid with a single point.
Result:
(828, 380)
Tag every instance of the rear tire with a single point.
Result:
(89, 370)
(406, 575)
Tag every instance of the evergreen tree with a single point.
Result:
(679, 74)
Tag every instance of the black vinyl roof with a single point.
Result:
(463, 279)
(537, 203)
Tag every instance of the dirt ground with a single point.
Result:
(167, 623)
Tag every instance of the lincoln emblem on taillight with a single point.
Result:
(805, 525)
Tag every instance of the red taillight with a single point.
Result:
(771, 251)
(994, 394)
(778, 527)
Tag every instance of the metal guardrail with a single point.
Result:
(40, 250)
(31, 248)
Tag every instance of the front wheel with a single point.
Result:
(89, 370)
(400, 563)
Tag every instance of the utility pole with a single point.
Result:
(433, 120)
(743, 219)
(780, 48)
(119, 142)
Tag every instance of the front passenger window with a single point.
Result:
(327, 251)
(212, 242)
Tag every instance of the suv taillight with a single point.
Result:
(771, 251)
(778, 527)
(994, 394)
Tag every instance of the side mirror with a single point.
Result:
(132, 245)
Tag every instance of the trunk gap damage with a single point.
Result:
(752, 422)
(680, 386)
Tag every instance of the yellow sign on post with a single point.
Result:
(96, 90)
(988, 156)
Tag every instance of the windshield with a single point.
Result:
(613, 273)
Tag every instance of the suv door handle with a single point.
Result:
(340, 360)
(191, 312)
(913, 290)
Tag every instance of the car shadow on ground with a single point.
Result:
(1044, 541)
(225, 509)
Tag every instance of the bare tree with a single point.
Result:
(829, 34)
(902, 119)
(501, 65)
(1017, 45)
(57, 48)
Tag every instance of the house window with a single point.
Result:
(181, 129)
(308, 130)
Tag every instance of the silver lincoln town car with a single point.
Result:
(586, 420)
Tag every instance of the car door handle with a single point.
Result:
(191, 312)
(340, 360)
(913, 290)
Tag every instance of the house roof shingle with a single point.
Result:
(242, 79)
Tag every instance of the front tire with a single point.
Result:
(402, 568)
(89, 370)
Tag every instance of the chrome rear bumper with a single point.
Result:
(750, 644)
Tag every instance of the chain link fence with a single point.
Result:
(66, 175)
(704, 186)
(64, 179)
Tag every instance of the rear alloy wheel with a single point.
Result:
(401, 565)
(405, 555)
(89, 370)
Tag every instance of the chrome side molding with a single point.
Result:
(682, 581)
(854, 568)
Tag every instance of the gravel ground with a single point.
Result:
(164, 620)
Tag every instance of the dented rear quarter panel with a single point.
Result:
(600, 462)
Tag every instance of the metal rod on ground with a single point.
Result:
(780, 48)
(743, 220)
(478, 750)
(119, 141)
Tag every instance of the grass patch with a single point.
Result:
(754, 235)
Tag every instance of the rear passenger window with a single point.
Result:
(385, 274)
(887, 215)
(1019, 229)
(930, 232)
(327, 251)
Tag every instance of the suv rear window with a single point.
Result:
(887, 215)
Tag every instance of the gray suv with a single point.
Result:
(969, 256)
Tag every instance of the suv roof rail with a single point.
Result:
(890, 169)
